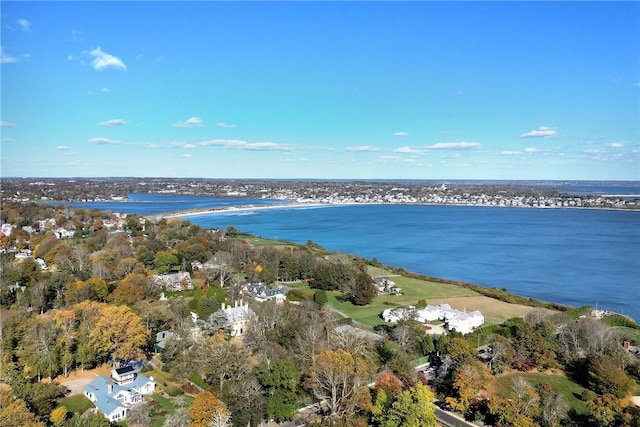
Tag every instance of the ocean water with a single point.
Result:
(571, 256)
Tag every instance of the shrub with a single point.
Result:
(300, 295)
(174, 391)
(320, 297)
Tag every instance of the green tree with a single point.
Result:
(411, 408)
(362, 291)
(320, 297)
(280, 382)
(99, 286)
(164, 261)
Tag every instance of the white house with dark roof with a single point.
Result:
(114, 396)
(261, 292)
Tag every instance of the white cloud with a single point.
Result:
(394, 159)
(189, 146)
(400, 134)
(510, 153)
(7, 124)
(361, 148)
(225, 125)
(187, 155)
(8, 139)
(113, 122)
(541, 132)
(191, 122)
(531, 150)
(407, 149)
(245, 145)
(591, 151)
(637, 84)
(102, 141)
(104, 60)
(6, 58)
(101, 91)
(615, 145)
(450, 145)
(63, 147)
(24, 24)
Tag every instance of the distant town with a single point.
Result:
(476, 193)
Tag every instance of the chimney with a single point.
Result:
(109, 388)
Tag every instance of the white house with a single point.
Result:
(237, 317)
(456, 320)
(114, 396)
(63, 233)
(262, 293)
(385, 285)
(394, 315)
(6, 229)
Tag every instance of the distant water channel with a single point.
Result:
(571, 256)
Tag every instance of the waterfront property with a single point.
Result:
(456, 320)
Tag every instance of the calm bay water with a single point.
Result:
(571, 256)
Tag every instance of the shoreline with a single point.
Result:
(291, 205)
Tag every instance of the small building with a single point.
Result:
(385, 285)
(161, 340)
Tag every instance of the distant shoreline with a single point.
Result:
(242, 208)
(290, 205)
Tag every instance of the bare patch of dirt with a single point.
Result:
(76, 380)
(492, 309)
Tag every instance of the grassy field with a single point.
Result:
(414, 290)
(76, 403)
(564, 385)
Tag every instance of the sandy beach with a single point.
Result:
(228, 209)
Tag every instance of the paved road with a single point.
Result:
(452, 420)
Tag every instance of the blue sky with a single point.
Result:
(416, 90)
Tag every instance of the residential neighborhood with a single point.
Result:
(183, 315)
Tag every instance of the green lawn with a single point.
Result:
(76, 404)
(564, 385)
(629, 334)
(412, 291)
